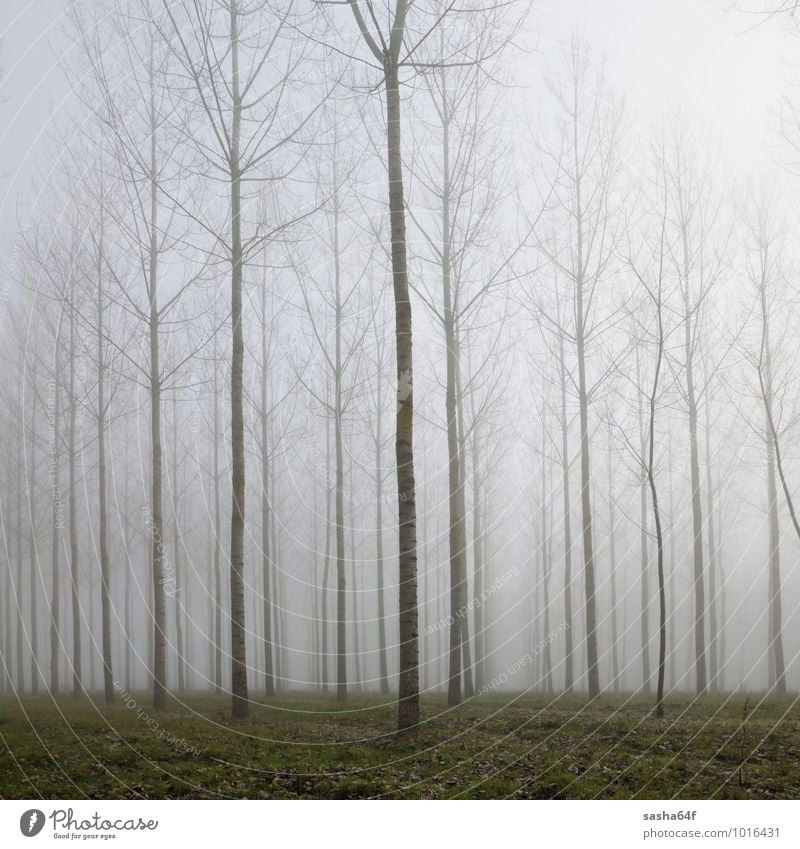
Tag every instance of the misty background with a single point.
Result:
(687, 125)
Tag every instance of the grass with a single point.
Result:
(496, 746)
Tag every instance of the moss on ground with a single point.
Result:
(491, 747)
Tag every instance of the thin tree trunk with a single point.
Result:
(341, 581)
(126, 536)
(239, 698)
(176, 547)
(775, 612)
(408, 696)
(697, 510)
(277, 585)
(356, 616)
(105, 566)
(586, 504)
(466, 652)
(546, 552)
(643, 547)
(569, 674)
(477, 563)
(327, 567)
(612, 524)
(662, 598)
(713, 637)
(18, 537)
(92, 639)
(157, 513)
(673, 654)
(34, 560)
(217, 538)
(383, 673)
(269, 674)
(457, 536)
(55, 483)
(316, 656)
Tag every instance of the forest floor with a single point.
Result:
(495, 746)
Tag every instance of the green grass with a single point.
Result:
(496, 746)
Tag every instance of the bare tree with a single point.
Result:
(586, 159)
(765, 273)
(241, 59)
(693, 213)
(649, 271)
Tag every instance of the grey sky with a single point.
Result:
(683, 52)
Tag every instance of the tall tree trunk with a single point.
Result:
(92, 640)
(723, 613)
(662, 597)
(697, 510)
(457, 535)
(279, 609)
(126, 537)
(546, 553)
(55, 483)
(477, 562)
(356, 615)
(316, 656)
(673, 654)
(217, 537)
(176, 548)
(8, 590)
(34, 560)
(408, 696)
(569, 673)
(105, 566)
(20, 660)
(269, 674)
(327, 566)
(713, 627)
(159, 657)
(612, 526)
(383, 672)
(239, 698)
(341, 581)
(586, 483)
(466, 651)
(643, 547)
(775, 612)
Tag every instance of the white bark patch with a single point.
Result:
(403, 388)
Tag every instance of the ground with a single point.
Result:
(492, 747)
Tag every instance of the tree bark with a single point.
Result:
(612, 524)
(775, 648)
(34, 560)
(176, 548)
(239, 697)
(569, 674)
(341, 580)
(55, 483)
(477, 563)
(157, 511)
(383, 672)
(457, 534)
(697, 510)
(713, 627)
(266, 565)
(105, 566)
(217, 437)
(643, 547)
(408, 697)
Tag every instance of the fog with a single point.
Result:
(205, 398)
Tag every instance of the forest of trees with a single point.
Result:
(339, 358)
